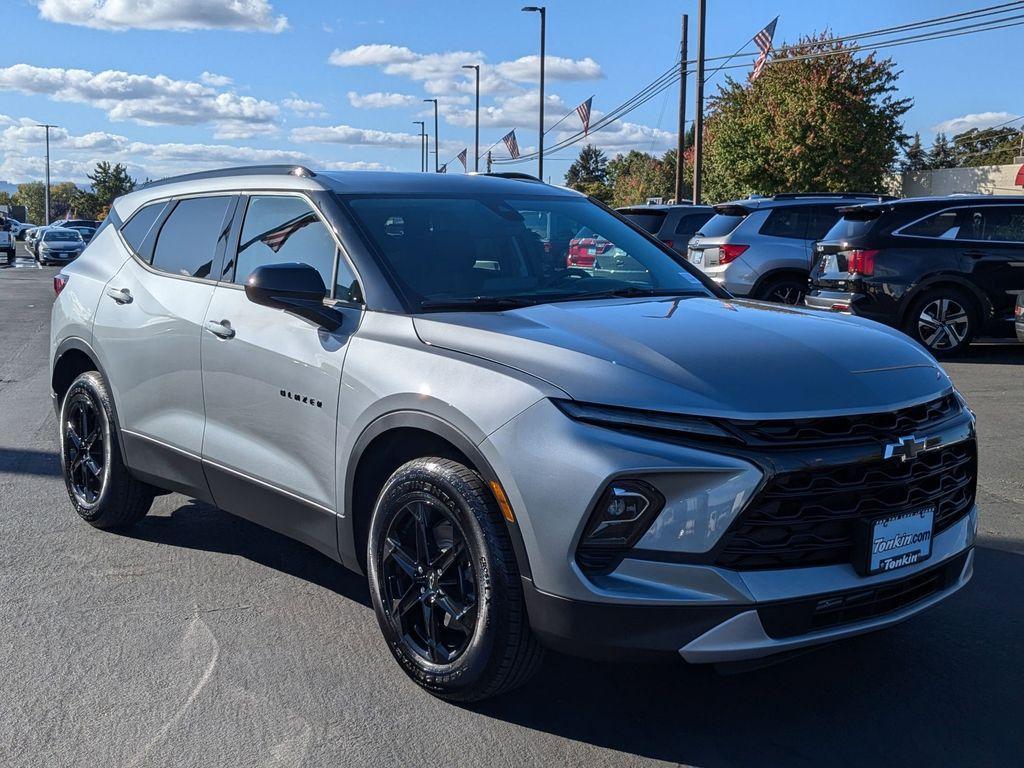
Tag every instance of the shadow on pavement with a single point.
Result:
(999, 353)
(197, 525)
(944, 688)
(21, 461)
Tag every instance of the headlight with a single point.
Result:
(643, 421)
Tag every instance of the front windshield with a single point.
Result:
(474, 250)
(63, 237)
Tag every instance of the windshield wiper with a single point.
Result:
(482, 303)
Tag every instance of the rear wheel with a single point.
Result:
(784, 290)
(101, 489)
(944, 321)
(445, 585)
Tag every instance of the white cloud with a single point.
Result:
(346, 134)
(217, 81)
(177, 15)
(976, 120)
(304, 107)
(77, 155)
(518, 111)
(380, 100)
(527, 69)
(146, 99)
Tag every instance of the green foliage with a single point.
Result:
(636, 176)
(109, 182)
(33, 196)
(914, 158)
(941, 154)
(589, 173)
(829, 124)
(987, 146)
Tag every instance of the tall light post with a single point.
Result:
(540, 134)
(436, 155)
(46, 196)
(476, 148)
(423, 144)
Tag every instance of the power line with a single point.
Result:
(671, 76)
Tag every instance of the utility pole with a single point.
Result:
(476, 150)
(423, 144)
(488, 161)
(435, 134)
(698, 118)
(681, 141)
(543, 11)
(46, 196)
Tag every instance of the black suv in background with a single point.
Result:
(943, 270)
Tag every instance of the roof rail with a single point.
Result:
(840, 195)
(243, 170)
(512, 175)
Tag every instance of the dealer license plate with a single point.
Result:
(899, 540)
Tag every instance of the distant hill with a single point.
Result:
(6, 186)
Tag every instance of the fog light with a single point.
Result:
(620, 517)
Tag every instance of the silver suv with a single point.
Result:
(762, 247)
(393, 369)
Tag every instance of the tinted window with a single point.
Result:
(281, 229)
(187, 243)
(720, 225)
(848, 228)
(139, 225)
(820, 220)
(59, 236)
(786, 222)
(996, 223)
(651, 222)
(691, 222)
(463, 249)
(942, 225)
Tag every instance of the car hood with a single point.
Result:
(700, 355)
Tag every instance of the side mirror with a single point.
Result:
(296, 288)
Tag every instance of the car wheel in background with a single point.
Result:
(944, 321)
(101, 489)
(445, 585)
(784, 290)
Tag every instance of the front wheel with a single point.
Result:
(944, 321)
(445, 585)
(784, 290)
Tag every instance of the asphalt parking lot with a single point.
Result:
(202, 639)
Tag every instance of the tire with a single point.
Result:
(943, 321)
(100, 487)
(784, 290)
(470, 594)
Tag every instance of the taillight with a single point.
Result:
(1018, 311)
(59, 282)
(669, 243)
(730, 252)
(861, 261)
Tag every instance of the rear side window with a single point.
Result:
(649, 221)
(944, 225)
(849, 228)
(691, 222)
(787, 222)
(1003, 224)
(187, 243)
(820, 220)
(280, 229)
(139, 225)
(720, 225)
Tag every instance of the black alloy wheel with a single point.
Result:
(429, 581)
(86, 444)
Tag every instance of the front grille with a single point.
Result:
(858, 427)
(798, 617)
(809, 517)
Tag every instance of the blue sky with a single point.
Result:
(338, 84)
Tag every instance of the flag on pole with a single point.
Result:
(511, 144)
(763, 41)
(443, 168)
(583, 110)
(462, 158)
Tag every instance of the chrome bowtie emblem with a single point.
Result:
(909, 447)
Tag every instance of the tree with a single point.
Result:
(636, 176)
(941, 154)
(109, 182)
(33, 196)
(914, 158)
(589, 173)
(830, 123)
(987, 146)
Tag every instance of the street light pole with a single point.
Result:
(46, 197)
(436, 154)
(476, 149)
(698, 118)
(543, 11)
(423, 144)
(681, 139)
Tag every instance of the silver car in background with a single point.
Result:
(762, 247)
(398, 371)
(57, 245)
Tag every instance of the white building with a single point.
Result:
(983, 180)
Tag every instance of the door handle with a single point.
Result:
(120, 295)
(220, 328)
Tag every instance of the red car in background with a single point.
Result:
(585, 249)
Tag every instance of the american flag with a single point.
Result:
(275, 238)
(763, 41)
(443, 168)
(583, 110)
(462, 158)
(511, 143)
